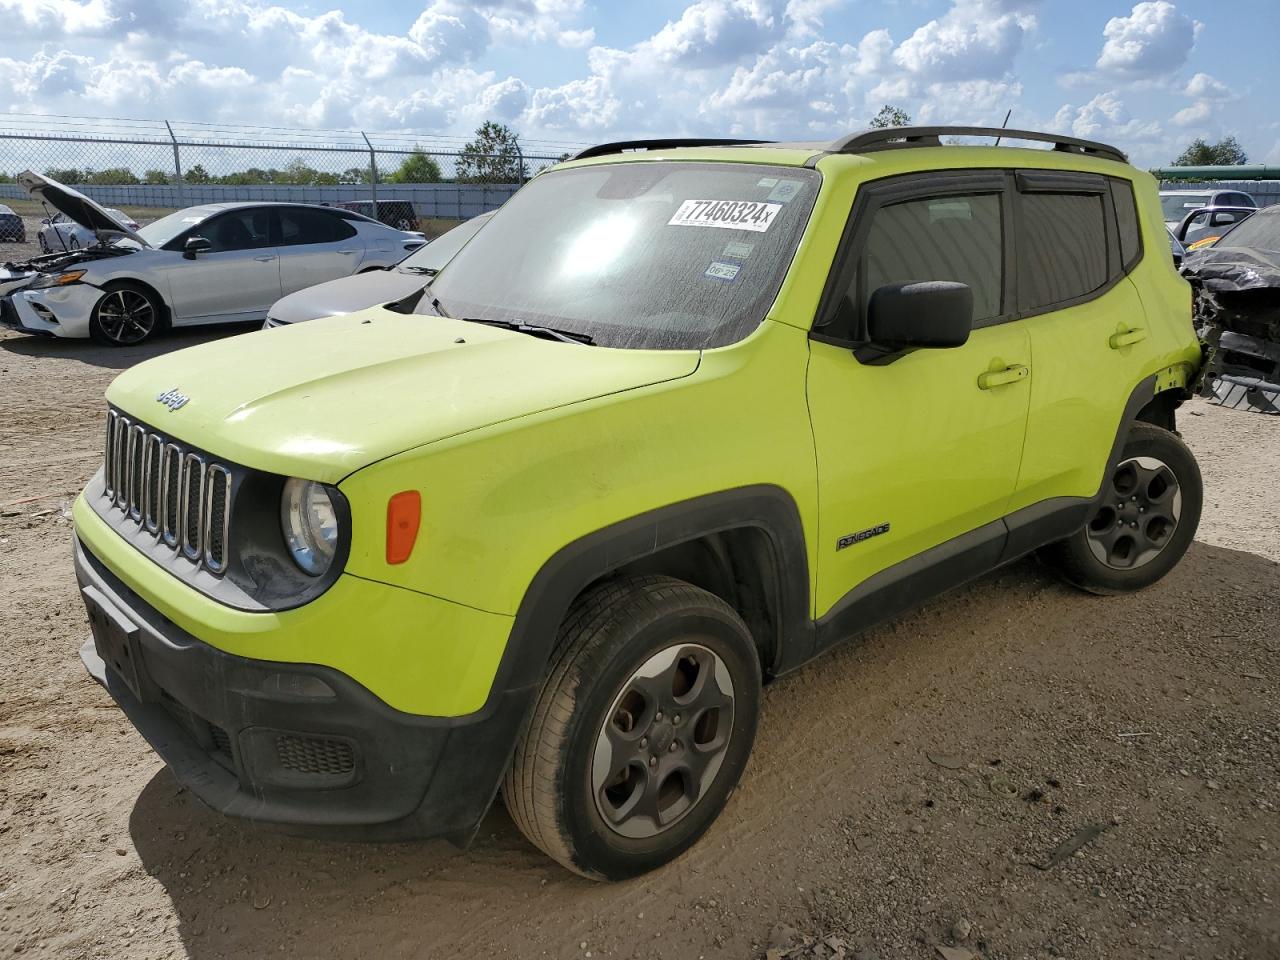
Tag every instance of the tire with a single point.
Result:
(1145, 521)
(42, 243)
(561, 788)
(125, 315)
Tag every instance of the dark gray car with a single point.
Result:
(376, 286)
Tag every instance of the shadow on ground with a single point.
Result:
(1013, 666)
(116, 358)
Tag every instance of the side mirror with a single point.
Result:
(194, 246)
(1222, 219)
(44, 221)
(901, 317)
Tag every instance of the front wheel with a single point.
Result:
(125, 315)
(1144, 521)
(640, 732)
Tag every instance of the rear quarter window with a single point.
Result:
(1126, 222)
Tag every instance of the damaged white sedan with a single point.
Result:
(215, 263)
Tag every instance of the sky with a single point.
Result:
(1148, 77)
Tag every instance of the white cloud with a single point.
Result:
(56, 18)
(580, 105)
(1192, 115)
(710, 33)
(974, 39)
(1204, 87)
(1155, 39)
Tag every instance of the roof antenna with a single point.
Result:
(1007, 115)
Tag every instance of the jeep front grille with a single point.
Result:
(175, 494)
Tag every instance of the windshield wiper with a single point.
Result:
(536, 330)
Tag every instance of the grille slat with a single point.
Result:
(173, 493)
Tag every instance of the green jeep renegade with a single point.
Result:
(681, 417)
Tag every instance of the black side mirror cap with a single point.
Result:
(195, 245)
(930, 314)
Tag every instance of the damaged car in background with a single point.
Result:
(1236, 285)
(214, 263)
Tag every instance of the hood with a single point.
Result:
(77, 206)
(323, 399)
(1229, 269)
(346, 295)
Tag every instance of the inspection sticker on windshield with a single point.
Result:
(730, 214)
(723, 271)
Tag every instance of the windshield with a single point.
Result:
(159, 232)
(1178, 205)
(438, 252)
(647, 255)
(1260, 231)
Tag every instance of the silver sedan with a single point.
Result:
(215, 263)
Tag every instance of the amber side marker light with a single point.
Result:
(404, 512)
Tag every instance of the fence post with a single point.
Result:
(177, 166)
(523, 177)
(373, 175)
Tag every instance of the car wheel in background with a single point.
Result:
(127, 313)
(1145, 519)
(641, 730)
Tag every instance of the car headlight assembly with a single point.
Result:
(57, 279)
(309, 523)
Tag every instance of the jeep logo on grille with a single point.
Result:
(173, 399)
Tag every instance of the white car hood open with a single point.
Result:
(77, 206)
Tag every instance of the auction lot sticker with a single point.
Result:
(753, 215)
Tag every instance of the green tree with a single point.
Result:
(112, 176)
(354, 175)
(492, 157)
(155, 176)
(418, 167)
(890, 116)
(1225, 153)
(6, 177)
(68, 175)
(197, 174)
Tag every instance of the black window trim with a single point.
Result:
(900, 188)
(920, 185)
(1079, 183)
(1130, 265)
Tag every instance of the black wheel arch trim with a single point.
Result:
(574, 567)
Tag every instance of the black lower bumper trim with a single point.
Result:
(285, 743)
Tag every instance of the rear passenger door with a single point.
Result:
(315, 246)
(1076, 237)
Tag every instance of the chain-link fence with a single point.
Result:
(167, 164)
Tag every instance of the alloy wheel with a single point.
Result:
(1139, 513)
(126, 316)
(663, 741)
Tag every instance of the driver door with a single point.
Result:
(238, 278)
(918, 457)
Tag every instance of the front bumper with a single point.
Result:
(52, 311)
(291, 743)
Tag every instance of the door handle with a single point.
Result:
(264, 259)
(998, 378)
(347, 252)
(1127, 338)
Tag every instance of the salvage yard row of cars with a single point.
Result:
(540, 517)
(214, 263)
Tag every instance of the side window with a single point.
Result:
(298, 225)
(247, 229)
(1062, 248)
(1126, 222)
(956, 238)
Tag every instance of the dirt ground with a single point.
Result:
(909, 796)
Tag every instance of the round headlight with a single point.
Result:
(310, 525)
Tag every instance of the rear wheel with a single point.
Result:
(641, 731)
(128, 313)
(1145, 520)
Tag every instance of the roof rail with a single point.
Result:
(604, 149)
(889, 138)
